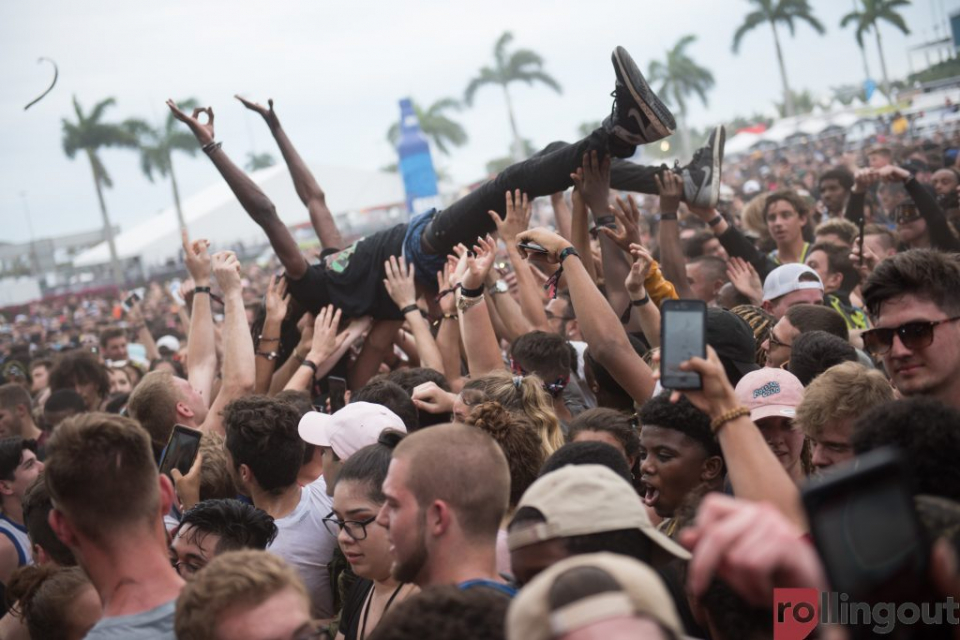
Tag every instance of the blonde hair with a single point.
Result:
(235, 579)
(842, 391)
(524, 395)
(753, 216)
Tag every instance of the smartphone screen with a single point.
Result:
(181, 450)
(865, 527)
(532, 247)
(338, 392)
(683, 335)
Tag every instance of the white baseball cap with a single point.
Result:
(786, 279)
(354, 427)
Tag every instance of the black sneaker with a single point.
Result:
(701, 178)
(638, 116)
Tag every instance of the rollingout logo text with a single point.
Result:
(796, 613)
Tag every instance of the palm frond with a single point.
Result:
(486, 76)
(752, 20)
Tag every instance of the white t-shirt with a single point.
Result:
(305, 543)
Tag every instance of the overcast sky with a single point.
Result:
(336, 71)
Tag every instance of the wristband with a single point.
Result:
(668, 216)
(466, 303)
(309, 365)
(471, 293)
(410, 307)
(715, 220)
(201, 289)
(606, 221)
(553, 282)
(566, 253)
(211, 146)
(717, 423)
(645, 300)
(269, 355)
(260, 338)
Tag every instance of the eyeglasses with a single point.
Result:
(185, 568)
(776, 343)
(356, 529)
(913, 335)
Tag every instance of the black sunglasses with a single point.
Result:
(913, 335)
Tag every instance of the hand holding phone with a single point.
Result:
(532, 247)
(338, 393)
(181, 450)
(683, 335)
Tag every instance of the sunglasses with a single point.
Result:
(913, 335)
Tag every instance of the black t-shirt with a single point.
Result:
(353, 608)
(352, 279)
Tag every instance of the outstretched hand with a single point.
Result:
(517, 218)
(226, 268)
(639, 270)
(399, 282)
(670, 188)
(203, 131)
(197, 259)
(592, 179)
(628, 224)
(267, 112)
(479, 265)
(716, 395)
(277, 298)
(745, 279)
(326, 340)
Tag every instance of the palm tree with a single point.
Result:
(681, 77)
(436, 125)
(522, 65)
(773, 12)
(256, 161)
(873, 12)
(157, 146)
(90, 134)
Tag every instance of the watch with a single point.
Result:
(500, 286)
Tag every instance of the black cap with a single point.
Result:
(732, 338)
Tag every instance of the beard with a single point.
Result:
(409, 568)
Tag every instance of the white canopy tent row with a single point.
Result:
(215, 213)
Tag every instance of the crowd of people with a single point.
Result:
(455, 427)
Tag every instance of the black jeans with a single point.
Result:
(543, 174)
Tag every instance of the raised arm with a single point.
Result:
(238, 359)
(941, 237)
(201, 343)
(599, 324)
(641, 305)
(516, 221)
(252, 198)
(671, 253)
(276, 302)
(326, 349)
(303, 181)
(399, 283)
(479, 339)
(561, 213)
(580, 226)
(448, 336)
(135, 317)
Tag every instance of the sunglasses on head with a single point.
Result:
(913, 335)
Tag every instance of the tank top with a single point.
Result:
(17, 534)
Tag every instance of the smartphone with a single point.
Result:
(532, 247)
(131, 300)
(866, 530)
(338, 393)
(683, 335)
(181, 450)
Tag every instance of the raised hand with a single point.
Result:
(267, 112)
(326, 341)
(716, 395)
(670, 188)
(642, 262)
(226, 268)
(399, 282)
(203, 131)
(197, 259)
(517, 219)
(593, 180)
(305, 326)
(869, 263)
(863, 179)
(277, 299)
(188, 486)
(628, 224)
(745, 279)
(479, 265)
(552, 242)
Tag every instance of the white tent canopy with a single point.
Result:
(216, 214)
